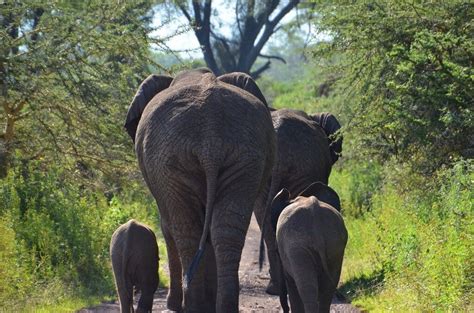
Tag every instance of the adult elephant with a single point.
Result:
(206, 147)
(304, 156)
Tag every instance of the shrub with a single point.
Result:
(420, 243)
(55, 236)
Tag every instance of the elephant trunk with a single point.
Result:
(211, 183)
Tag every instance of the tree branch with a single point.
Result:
(185, 13)
(269, 30)
(230, 54)
(272, 57)
(256, 74)
(202, 29)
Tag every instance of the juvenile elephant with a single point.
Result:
(206, 147)
(134, 255)
(311, 238)
(303, 156)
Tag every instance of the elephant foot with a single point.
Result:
(173, 305)
(273, 289)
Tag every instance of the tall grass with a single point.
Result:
(411, 247)
(55, 235)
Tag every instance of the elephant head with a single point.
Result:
(324, 193)
(280, 202)
(331, 127)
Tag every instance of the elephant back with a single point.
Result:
(303, 152)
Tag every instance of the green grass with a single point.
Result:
(412, 249)
(54, 240)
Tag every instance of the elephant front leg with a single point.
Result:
(174, 299)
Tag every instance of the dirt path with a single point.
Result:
(252, 295)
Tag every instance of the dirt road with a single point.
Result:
(252, 295)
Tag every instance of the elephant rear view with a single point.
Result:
(134, 255)
(205, 146)
(303, 157)
(311, 238)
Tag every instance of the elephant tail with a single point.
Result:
(211, 183)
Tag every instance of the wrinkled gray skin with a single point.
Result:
(304, 157)
(205, 146)
(331, 126)
(311, 238)
(134, 255)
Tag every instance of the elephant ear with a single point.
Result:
(279, 203)
(331, 127)
(245, 82)
(152, 85)
(324, 193)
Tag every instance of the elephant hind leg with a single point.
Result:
(185, 230)
(305, 273)
(296, 303)
(174, 300)
(122, 282)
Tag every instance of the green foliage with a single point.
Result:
(413, 251)
(55, 236)
(68, 72)
(356, 183)
(406, 73)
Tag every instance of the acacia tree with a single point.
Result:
(255, 23)
(406, 77)
(67, 73)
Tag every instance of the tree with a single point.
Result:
(255, 23)
(407, 77)
(67, 73)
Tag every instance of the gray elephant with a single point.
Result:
(206, 147)
(311, 238)
(134, 255)
(303, 156)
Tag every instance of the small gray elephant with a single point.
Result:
(311, 238)
(134, 255)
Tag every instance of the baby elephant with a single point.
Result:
(134, 255)
(311, 238)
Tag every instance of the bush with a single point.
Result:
(415, 245)
(55, 236)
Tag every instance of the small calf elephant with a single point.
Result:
(311, 238)
(134, 255)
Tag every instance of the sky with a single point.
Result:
(185, 43)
